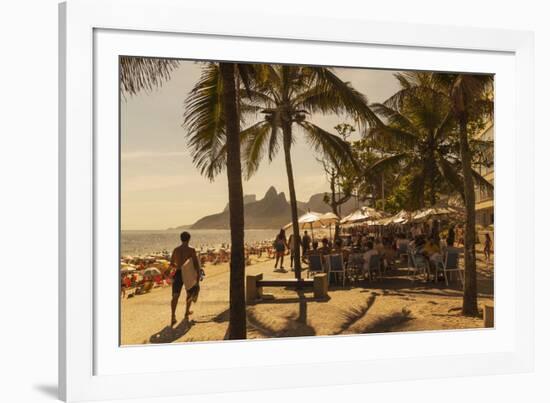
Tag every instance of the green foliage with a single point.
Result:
(417, 144)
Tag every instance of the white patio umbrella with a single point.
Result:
(308, 220)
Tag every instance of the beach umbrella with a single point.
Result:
(127, 268)
(163, 263)
(329, 219)
(308, 220)
(151, 271)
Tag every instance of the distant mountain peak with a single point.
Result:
(271, 193)
(273, 211)
(246, 199)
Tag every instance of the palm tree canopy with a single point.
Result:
(290, 95)
(419, 136)
(143, 73)
(279, 93)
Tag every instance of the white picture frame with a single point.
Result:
(91, 366)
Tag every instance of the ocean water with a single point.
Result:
(145, 242)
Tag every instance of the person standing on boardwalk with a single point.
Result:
(186, 269)
(291, 248)
(451, 236)
(280, 245)
(306, 245)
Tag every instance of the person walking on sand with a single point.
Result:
(280, 245)
(186, 270)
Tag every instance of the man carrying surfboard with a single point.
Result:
(186, 269)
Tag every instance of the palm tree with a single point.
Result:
(471, 98)
(285, 96)
(218, 83)
(213, 121)
(419, 138)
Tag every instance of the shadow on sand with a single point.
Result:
(389, 323)
(295, 325)
(171, 334)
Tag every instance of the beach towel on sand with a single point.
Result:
(189, 274)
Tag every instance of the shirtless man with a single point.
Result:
(190, 279)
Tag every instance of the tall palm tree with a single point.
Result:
(419, 137)
(218, 83)
(470, 100)
(471, 97)
(237, 308)
(213, 121)
(286, 96)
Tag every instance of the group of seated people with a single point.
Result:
(389, 248)
(366, 246)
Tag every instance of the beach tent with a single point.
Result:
(434, 212)
(329, 219)
(362, 214)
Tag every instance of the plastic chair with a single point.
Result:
(450, 265)
(335, 264)
(374, 265)
(315, 263)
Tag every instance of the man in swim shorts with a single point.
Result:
(186, 265)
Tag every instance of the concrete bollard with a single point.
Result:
(488, 315)
(320, 286)
(253, 292)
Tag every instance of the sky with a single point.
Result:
(160, 186)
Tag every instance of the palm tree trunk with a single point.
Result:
(287, 140)
(237, 307)
(469, 302)
(334, 205)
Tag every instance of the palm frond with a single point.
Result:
(274, 144)
(452, 174)
(390, 138)
(205, 123)
(144, 73)
(255, 141)
(394, 117)
(388, 163)
(331, 94)
(446, 126)
(327, 144)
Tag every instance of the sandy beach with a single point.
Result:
(394, 304)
